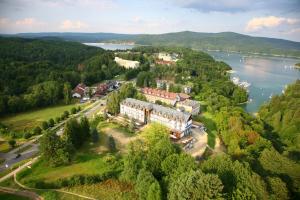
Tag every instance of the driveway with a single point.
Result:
(199, 144)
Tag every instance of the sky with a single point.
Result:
(268, 18)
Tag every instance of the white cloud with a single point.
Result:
(3, 22)
(259, 23)
(234, 6)
(29, 22)
(68, 24)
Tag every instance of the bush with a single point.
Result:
(51, 122)
(26, 135)
(57, 119)
(66, 114)
(82, 180)
(37, 130)
(63, 117)
(12, 143)
(45, 125)
(95, 135)
(78, 108)
(73, 110)
(111, 144)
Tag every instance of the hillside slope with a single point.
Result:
(225, 41)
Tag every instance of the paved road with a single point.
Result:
(18, 169)
(10, 157)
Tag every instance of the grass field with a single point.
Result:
(83, 164)
(109, 190)
(207, 120)
(30, 119)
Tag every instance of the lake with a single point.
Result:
(111, 46)
(268, 75)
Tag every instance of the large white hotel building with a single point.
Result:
(180, 123)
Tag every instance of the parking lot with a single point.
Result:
(197, 142)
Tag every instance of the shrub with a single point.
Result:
(111, 144)
(95, 135)
(37, 130)
(73, 110)
(66, 114)
(26, 135)
(78, 108)
(63, 117)
(45, 125)
(12, 143)
(82, 180)
(57, 119)
(51, 122)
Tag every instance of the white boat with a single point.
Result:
(270, 97)
(236, 80)
(243, 84)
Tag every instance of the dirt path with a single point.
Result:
(24, 193)
(200, 144)
(32, 194)
(219, 147)
(62, 191)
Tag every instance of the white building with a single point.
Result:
(167, 56)
(127, 63)
(180, 123)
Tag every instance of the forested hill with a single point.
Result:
(36, 73)
(225, 41)
(282, 114)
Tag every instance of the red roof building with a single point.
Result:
(101, 89)
(154, 95)
(164, 62)
(79, 90)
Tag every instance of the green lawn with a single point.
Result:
(208, 120)
(10, 183)
(30, 119)
(83, 164)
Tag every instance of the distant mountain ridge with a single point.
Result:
(223, 41)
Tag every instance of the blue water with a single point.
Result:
(110, 46)
(267, 75)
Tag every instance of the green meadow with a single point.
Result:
(30, 119)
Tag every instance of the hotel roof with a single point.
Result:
(164, 94)
(157, 109)
(189, 102)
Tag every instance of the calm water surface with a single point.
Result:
(110, 46)
(268, 75)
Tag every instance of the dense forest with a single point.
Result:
(282, 115)
(35, 73)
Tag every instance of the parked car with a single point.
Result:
(18, 156)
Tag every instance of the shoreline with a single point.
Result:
(251, 53)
